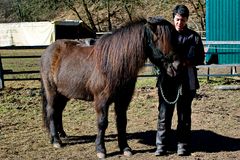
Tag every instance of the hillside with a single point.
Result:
(118, 11)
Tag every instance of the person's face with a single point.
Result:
(179, 22)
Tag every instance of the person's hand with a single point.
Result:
(172, 69)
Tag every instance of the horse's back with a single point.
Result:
(57, 49)
(67, 65)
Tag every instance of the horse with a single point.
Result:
(105, 73)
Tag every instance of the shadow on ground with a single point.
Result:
(202, 141)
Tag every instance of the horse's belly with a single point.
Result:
(86, 97)
(76, 93)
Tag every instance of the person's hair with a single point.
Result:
(182, 10)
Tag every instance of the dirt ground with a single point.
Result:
(215, 125)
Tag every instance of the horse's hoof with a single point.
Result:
(127, 153)
(100, 155)
(57, 145)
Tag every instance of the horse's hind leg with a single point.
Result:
(60, 103)
(49, 113)
(53, 123)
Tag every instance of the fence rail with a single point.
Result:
(18, 74)
(27, 72)
(12, 57)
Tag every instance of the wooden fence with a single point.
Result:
(14, 72)
(4, 72)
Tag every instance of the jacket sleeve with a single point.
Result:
(196, 53)
(200, 54)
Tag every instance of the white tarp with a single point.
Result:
(26, 34)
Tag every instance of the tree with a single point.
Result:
(35, 10)
(89, 16)
(100, 15)
(5, 9)
(199, 8)
(128, 5)
(71, 5)
(109, 16)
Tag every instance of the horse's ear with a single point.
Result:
(155, 20)
(152, 22)
(150, 26)
(152, 29)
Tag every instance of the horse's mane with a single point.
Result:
(121, 54)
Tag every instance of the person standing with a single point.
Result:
(191, 50)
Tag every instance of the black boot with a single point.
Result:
(164, 124)
(184, 123)
(163, 131)
(160, 143)
(183, 149)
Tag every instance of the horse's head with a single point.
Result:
(164, 40)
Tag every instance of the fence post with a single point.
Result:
(1, 74)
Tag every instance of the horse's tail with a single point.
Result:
(44, 106)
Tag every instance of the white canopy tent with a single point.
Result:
(26, 34)
(41, 33)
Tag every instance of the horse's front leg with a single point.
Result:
(102, 124)
(122, 102)
(121, 121)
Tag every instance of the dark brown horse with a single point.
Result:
(104, 73)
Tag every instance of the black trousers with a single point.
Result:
(165, 115)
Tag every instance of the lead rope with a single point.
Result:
(179, 92)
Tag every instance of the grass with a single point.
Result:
(33, 64)
(219, 80)
(21, 64)
(146, 82)
(22, 135)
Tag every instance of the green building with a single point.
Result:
(223, 24)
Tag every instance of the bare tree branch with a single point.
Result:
(109, 16)
(70, 5)
(89, 16)
(127, 10)
(203, 11)
(202, 21)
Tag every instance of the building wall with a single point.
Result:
(223, 24)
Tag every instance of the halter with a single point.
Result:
(158, 54)
(155, 51)
(151, 21)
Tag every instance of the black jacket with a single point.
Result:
(191, 50)
(190, 47)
